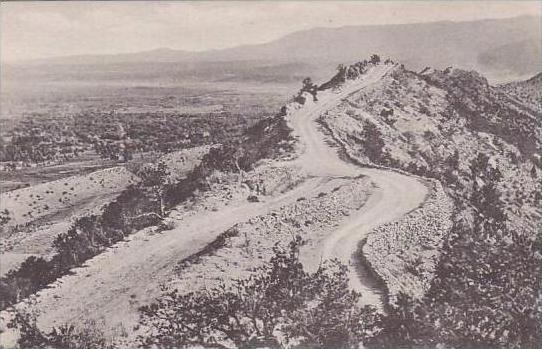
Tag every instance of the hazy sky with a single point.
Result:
(42, 29)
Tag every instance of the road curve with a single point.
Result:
(395, 194)
(115, 283)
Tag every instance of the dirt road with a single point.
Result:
(395, 194)
(114, 284)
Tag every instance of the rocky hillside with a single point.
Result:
(436, 123)
(483, 144)
(411, 246)
(528, 92)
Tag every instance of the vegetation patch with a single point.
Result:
(483, 147)
(139, 206)
(278, 306)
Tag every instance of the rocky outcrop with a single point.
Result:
(435, 125)
(352, 72)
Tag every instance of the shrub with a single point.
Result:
(62, 337)
(373, 142)
(279, 303)
(33, 274)
(4, 217)
(253, 198)
(375, 59)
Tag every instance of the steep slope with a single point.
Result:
(484, 147)
(394, 195)
(422, 122)
(528, 92)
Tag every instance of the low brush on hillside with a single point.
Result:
(483, 145)
(268, 139)
(140, 206)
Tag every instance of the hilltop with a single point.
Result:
(419, 122)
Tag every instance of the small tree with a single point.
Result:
(534, 173)
(4, 217)
(308, 86)
(403, 325)
(156, 178)
(372, 142)
(375, 59)
(62, 337)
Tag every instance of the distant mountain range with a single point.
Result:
(499, 48)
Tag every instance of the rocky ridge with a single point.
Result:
(483, 145)
(436, 124)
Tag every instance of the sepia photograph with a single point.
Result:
(322, 174)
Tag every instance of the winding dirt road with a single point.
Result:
(394, 196)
